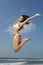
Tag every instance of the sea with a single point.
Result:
(21, 61)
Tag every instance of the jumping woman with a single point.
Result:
(22, 20)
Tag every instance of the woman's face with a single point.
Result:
(21, 18)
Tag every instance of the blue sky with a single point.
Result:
(10, 10)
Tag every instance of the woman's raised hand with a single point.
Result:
(37, 14)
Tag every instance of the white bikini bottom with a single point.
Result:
(16, 35)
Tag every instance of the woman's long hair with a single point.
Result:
(25, 17)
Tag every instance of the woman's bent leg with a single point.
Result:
(23, 42)
(17, 45)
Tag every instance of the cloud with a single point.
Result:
(9, 30)
(27, 28)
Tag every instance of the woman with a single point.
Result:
(17, 41)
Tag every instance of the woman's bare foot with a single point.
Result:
(27, 39)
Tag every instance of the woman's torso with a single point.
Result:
(15, 29)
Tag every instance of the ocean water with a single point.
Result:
(21, 61)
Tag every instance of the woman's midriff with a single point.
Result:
(15, 31)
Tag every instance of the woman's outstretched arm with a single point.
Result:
(32, 17)
(28, 20)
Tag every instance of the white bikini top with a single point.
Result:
(16, 25)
